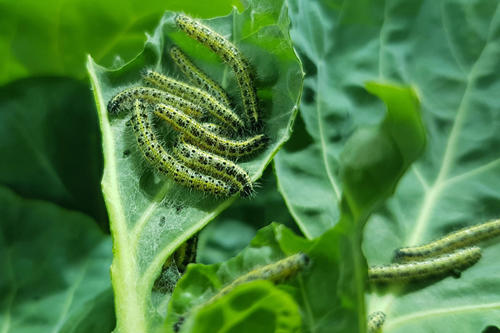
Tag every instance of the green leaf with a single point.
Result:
(254, 307)
(151, 217)
(449, 52)
(457, 181)
(50, 140)
(234, 228)
(323, 307)
(374, 158)
(53, 37)
(55, 269)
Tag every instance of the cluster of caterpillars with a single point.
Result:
(450, 254)
(211, 136)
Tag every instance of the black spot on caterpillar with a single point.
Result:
(200, 136)
(197, 96)
(375, 321)
(275, 272)
(458, 239)
(167, 164)
(417, 270)
(198, 77)
(124, 101)
(214, 165)
(186, 253)
(232, 56)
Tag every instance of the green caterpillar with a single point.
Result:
(458, 239)
(232, 56)
(167, 164)
(198, 77)
(418, 270)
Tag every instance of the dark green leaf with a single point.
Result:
(55, 268)
(50, 144)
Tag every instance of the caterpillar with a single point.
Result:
(458, 260)
(124, 100)
(458, 239)
(168, 165)
(214, 165)
(197, 96)
(232, 56)
(203, 138)
(198, 77)
(375, 321)
(186, 253)
(275, 272)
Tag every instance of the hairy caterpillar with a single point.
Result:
(198, 77)
(458, 239)
(275, 272)
(232, 56)
(125, 100)
(459, 260)
(168, 165)
(214, 165)
(197, 96)
(203, 138)
(375, 321)
(186, 253)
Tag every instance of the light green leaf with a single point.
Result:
(450, 52)
(52, 37)
(55, 269)
(322, 307)
(457, 181)
(258, 306)
(151, 217)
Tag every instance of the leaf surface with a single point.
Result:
(449, 52)
(55, 269)
(150, 216)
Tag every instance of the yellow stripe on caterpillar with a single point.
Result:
(214, 165)
(375, 321)
(124, 101)
(417, 270)
(275, 272)
(205, 139)
(197, 96)
(198, 77)
(231, 55)
(168, 165)
(458, 239)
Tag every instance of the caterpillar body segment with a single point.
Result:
(418, 270)
(205, 139)
(449, 243)
(215, 166)
(125, 100)
(275, 272)
(375, 321)
(197, 96)
(232, 56)
(198, 77)
(167, 164)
